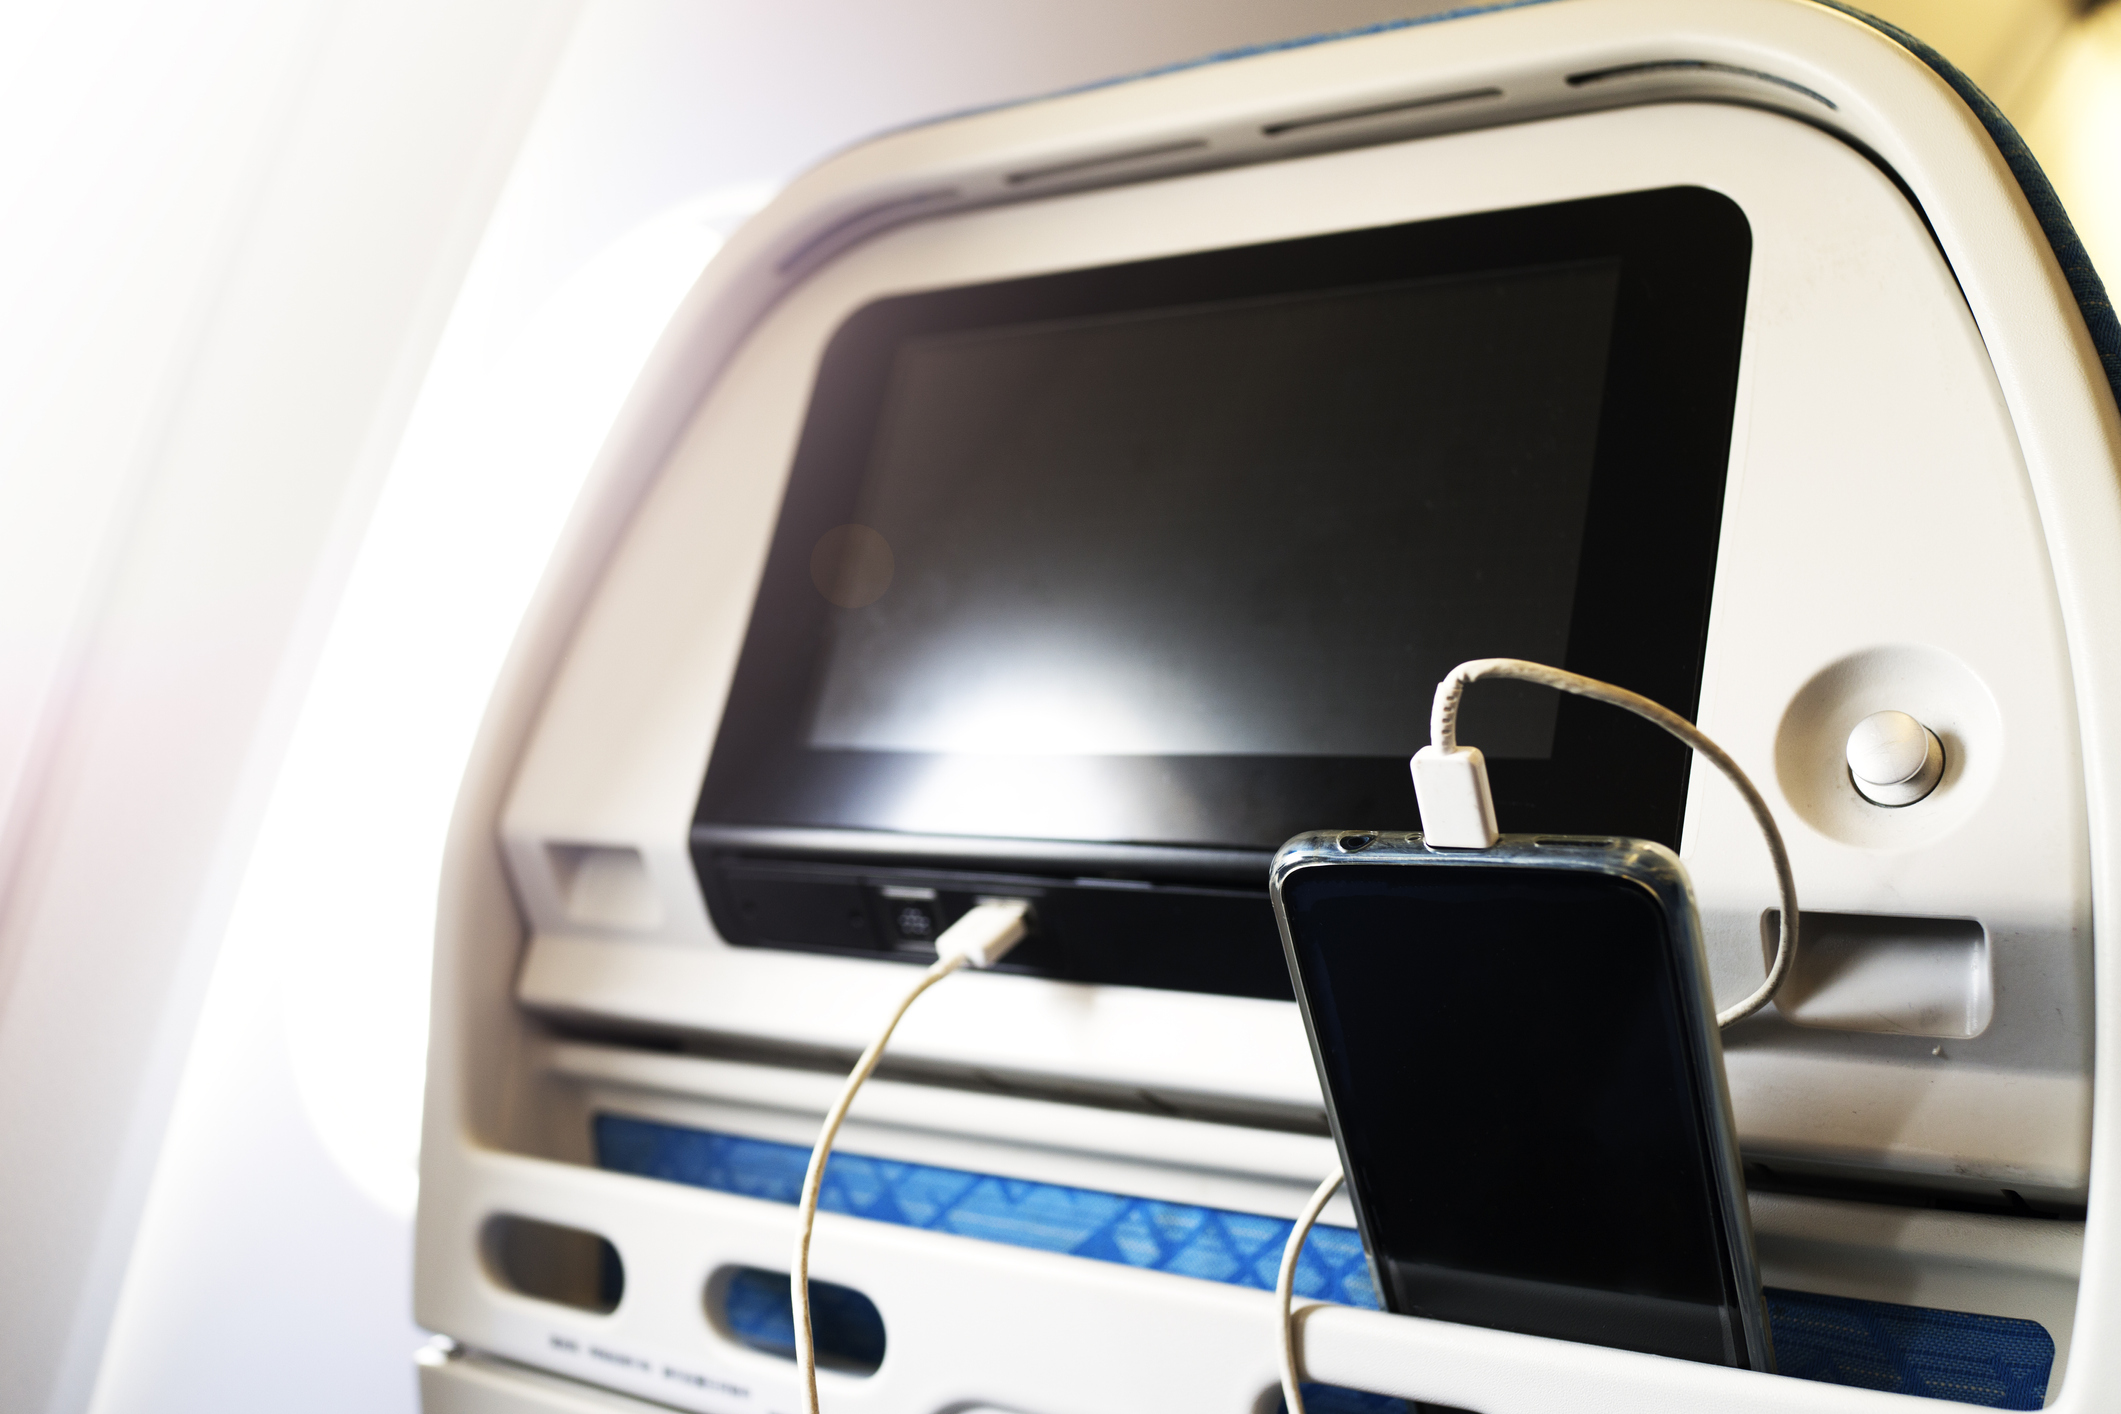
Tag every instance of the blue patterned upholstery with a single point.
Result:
(1243, 1249)
(1986, 1360)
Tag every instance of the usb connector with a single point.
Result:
(1451, 788)
(986, 933)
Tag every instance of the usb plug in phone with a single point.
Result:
(1520, 1059)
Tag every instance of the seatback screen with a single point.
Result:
(1097, 585)
(1257, 527)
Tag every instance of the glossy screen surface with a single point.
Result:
(1514, 1072)
(1253, 527)
(1171, 553)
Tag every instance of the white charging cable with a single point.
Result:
(1285, 1287)
(979, 939)
(1458, 812)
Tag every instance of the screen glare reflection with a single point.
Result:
(1008, 694)
(1250, 527)
(1023, 796)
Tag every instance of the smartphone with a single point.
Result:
(1520, 1061)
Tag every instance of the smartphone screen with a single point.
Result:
(1529, 1107)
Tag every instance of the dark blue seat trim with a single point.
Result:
(2093, 303)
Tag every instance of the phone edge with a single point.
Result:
(1645, 862)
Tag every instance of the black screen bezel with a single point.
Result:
(1642, 599)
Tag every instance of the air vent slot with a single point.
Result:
(1670, 66)
(1094, 164)
(1381, 110)
(751, 1306)
(550, 1262)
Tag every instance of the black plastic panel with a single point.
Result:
(1123, 931)
(1676, 264)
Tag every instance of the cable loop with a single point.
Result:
(1443, 732)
